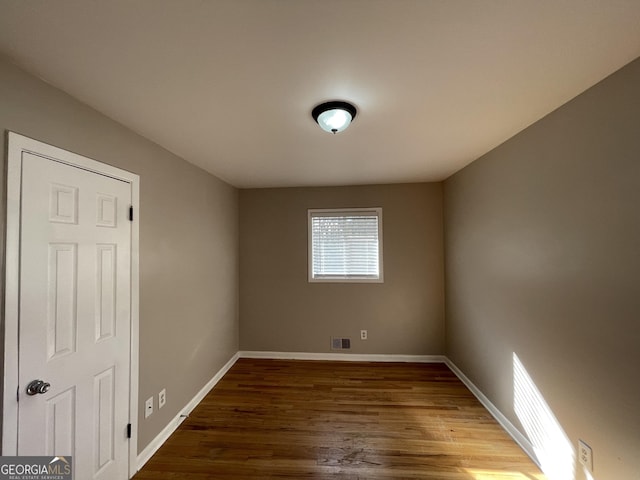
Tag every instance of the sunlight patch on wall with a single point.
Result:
(551, 444)
(501, 475)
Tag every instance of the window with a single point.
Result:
(345, 245)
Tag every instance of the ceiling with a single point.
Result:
(229, 85)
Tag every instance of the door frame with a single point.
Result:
(17, 145)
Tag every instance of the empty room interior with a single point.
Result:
(480, 317)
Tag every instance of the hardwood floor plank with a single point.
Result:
(270, 419)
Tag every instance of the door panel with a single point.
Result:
(105, 291)
(61, 297)
(105, 403)
(75, 314)
(60, 429)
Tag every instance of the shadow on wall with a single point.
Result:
(553, 449)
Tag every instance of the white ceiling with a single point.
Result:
(229, 85)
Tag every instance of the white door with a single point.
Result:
(74, 317)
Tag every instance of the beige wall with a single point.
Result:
(282, 311)
(542, 241)
(188, 241)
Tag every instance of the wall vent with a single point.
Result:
(338, 343)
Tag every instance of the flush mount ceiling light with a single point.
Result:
(334, 117)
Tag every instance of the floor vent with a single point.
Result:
(340, 343)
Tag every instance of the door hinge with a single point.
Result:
(131, 213)
(128, 430)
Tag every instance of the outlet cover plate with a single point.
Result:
(585, 455)
(162, 398)
(148, 407)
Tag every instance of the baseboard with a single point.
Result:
(504, 422)
(344, 357)
(171, 427)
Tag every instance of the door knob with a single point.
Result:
(38, 386)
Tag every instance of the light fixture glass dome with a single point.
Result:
(334, 117)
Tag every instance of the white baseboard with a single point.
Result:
(519, 438)
(171, 427)
(344, 357)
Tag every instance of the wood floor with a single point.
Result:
(269, 419)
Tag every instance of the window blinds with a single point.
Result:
(345, 245)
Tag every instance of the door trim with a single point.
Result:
(17, 144)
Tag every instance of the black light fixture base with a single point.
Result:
(332, 105)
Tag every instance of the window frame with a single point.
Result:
(344, 212)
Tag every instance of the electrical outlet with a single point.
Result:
(148, 407)
(363, 335)
(585, 455)
(162, 398)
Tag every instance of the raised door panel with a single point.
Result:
(61, 301)
(60, 423)
(106, 278)
(104, 408)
